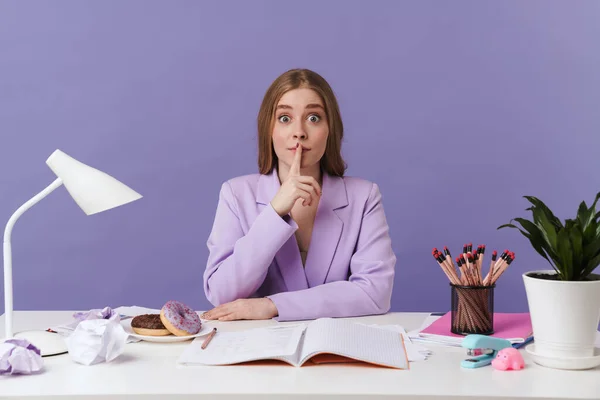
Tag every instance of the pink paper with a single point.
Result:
(506, 326)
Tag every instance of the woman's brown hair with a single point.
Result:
(331, 162)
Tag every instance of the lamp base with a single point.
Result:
(50, 344)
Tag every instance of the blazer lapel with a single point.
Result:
(327, 230)
(268, 185)
(288, 257)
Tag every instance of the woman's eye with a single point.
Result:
(284, 119)
(314, 118)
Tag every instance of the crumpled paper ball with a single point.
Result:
(19, 356)
(105, 313)
(97, 339)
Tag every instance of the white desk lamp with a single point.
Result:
(94, 191)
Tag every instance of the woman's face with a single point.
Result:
(300, 118)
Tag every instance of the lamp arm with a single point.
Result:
(8, 294)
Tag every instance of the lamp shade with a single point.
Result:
(93, 190)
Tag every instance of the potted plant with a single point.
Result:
(564, 302)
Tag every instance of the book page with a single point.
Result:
(294, 359)
(354, 340)
(278, 342)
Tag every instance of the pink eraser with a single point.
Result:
(508, 358)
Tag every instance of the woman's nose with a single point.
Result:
(299, 134)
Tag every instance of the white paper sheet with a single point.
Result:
(254, 344)
(415, 352)
(354, 340)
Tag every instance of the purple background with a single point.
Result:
(456, 109)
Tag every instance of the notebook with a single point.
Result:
(514, 327)
(320, 340)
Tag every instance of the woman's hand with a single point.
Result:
(294, 187)
(262, 308)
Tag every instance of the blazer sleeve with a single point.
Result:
(367, 291)
(238, 263)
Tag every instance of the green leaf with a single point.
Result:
(577, 250)
(572, 249)
(565, 253)
(591, 249)
(537, 237)
(591, 266)
(570, 223)
(540, 204)
(546, 228)
(582, 211)
(533, 234)
(585, 215)
(589, 233)
(593, 218)
(595, 201)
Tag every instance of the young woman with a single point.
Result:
(299, 240)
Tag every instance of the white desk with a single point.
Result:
(149, 370)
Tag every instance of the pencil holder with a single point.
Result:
(472, 310)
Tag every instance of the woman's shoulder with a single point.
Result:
(242, 184)
(360, 191)
(244, 180)
(357, 182)
(359, 186)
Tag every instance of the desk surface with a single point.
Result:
(149, 370)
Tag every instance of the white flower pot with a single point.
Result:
(564, 315)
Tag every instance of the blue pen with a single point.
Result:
(526, 342)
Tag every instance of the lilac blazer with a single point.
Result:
(349, 269)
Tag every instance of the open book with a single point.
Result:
(298, 344)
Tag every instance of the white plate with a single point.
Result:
(204, 329)
(565, 362)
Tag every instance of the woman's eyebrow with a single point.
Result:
(308, 106)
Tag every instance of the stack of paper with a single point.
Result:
(514, 327)
(414, 352)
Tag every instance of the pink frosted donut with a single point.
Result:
(180, 319)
